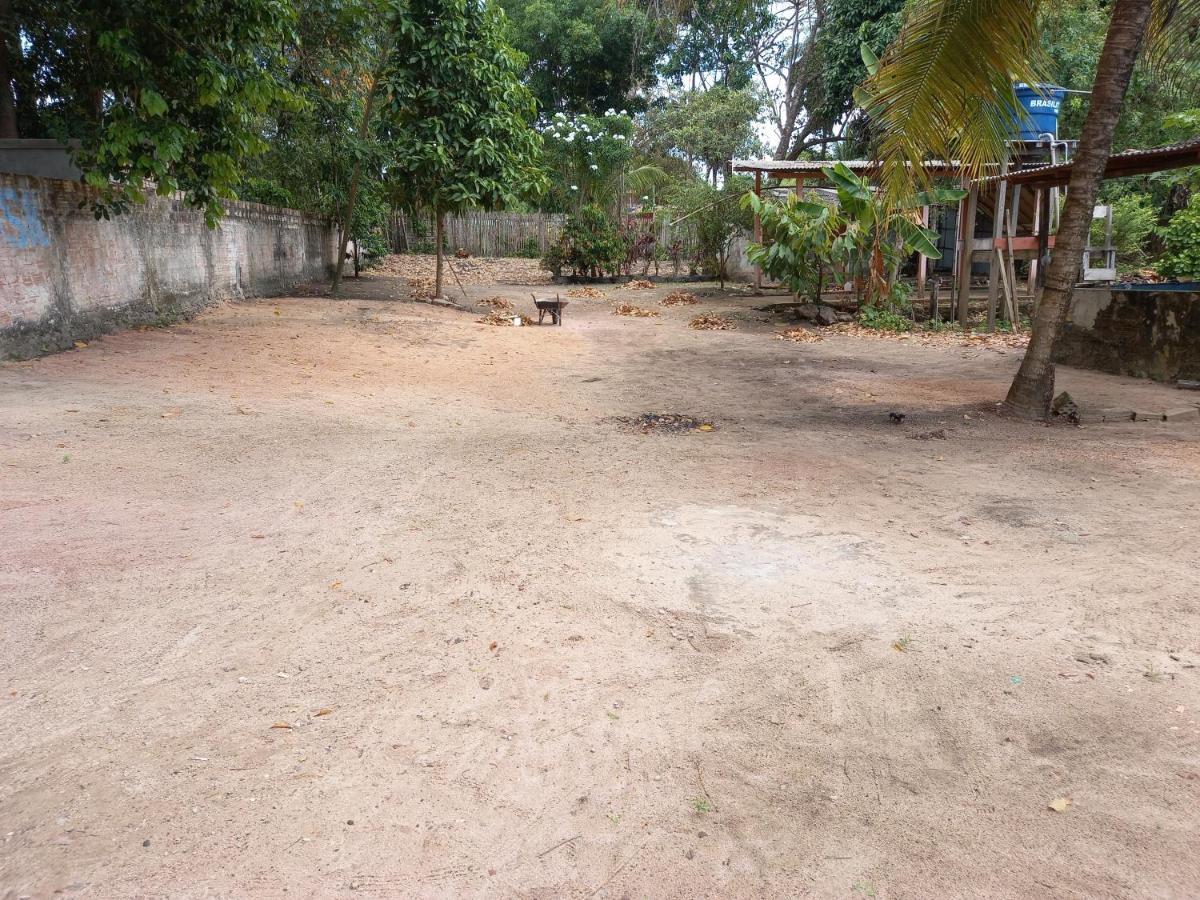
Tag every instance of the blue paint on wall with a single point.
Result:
(20, 224)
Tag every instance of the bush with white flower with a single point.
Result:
(586, 156)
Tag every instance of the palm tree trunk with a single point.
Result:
(1033, 389)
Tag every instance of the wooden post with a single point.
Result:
(1031, 285)
(1043, 238)
(922, 260)
(1014, 221)
(758, 229)
(935, 314)
(968, 252)
(996, 256)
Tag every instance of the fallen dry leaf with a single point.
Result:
(679, 298)
(710, 322)
(323, 711)
(640, 284)
(500, 318)
(335, 585)
(589, 293)
(628, 309)
(799, 335)
(283, 725)
(79, 345)
(492, 645)
(1059, 804)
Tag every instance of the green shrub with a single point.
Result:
(554, 260)
(1182, 257)
(883, 319)
(590, 245)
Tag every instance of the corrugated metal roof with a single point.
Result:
(1120, 165)
(793, 166)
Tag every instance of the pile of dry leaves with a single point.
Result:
(628, 309)
(639, 284)
(588, 293)
(422, 288)
(799, 335)
(709, 322)
(500, 318)
(679, 298)
(496, 303)
(998, 340)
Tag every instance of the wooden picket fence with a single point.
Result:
(503, 233)
(479, 233)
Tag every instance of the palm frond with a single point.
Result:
(647, 176)
(944, 88)
(1173, 40)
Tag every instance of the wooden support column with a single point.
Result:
(758, 229)
(967, 230)
(1014, 221)
(1043, 238)
(922, 260)
(1031, 285)
(996, 256)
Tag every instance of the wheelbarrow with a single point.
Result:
(552, 305)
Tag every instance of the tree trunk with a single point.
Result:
(1033, 389)
(8, 108)
(364, 129)
(438, 229)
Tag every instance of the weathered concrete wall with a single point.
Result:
(64, 276)
(1146, 334)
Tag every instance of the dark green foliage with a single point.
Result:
(712, 126)
(315, 143)
(459, 117)
(586, 56)
(716, 43)
(1182, 257)
(837, 67)
(153, 90)
(590, 245)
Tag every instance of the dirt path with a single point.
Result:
(360, 598)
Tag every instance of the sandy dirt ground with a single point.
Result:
(360, 598)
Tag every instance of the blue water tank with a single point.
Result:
(1040, 105)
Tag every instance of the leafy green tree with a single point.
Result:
(325, 154)
(797, 248)
(838, 66)
(586, 56)
(717, 216)
(153, 91)
(460, 119)
(711, 126)
(1072, 35)
(716, 43)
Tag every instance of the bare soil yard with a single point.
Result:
(362, 598)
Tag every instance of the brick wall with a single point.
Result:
(64, 276)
